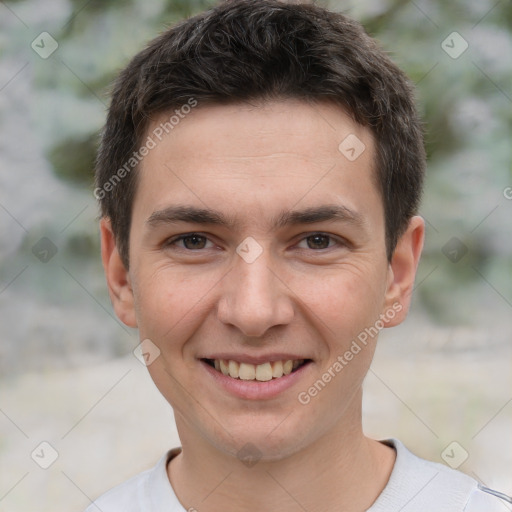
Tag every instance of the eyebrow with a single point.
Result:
(311, 215)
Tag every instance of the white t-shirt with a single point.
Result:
(415, 485)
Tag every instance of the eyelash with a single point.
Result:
(173, 241)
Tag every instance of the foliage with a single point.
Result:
(465, 102)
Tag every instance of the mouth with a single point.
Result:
(264, 372)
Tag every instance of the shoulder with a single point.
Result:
(417, 485)
(149, 490)
(126, 496)
(483, 499)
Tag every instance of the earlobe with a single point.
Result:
(402, 270)
(118, 278)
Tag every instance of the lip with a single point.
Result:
(250, 359)
(255, 390)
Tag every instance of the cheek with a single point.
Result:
(169, 304)
(344, 300)
(341, 301)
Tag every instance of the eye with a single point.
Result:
(197, 242)
(319, 241)
(191, 242)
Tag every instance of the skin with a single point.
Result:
(302, 295)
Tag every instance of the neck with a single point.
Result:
(342, 470)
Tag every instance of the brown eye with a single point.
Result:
(191, 242)
(194, 242)
(318, 241)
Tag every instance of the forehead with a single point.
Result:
(318, 126)
(273, 154)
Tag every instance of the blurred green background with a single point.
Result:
(53, 108)
(444, 374)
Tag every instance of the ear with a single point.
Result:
(402, 271)
(118, 278)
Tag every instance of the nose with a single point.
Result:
(255, 297)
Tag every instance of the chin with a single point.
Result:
(269, 444)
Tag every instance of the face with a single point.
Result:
(258, 248)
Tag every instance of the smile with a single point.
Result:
(257, 372)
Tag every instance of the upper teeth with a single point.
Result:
(261, 372)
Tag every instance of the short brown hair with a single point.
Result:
(245, 50)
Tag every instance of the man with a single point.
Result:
(259, 177)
